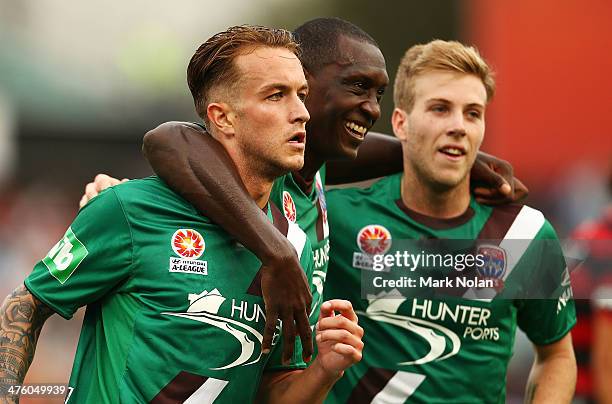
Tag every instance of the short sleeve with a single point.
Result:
(93, 257)
(550, 316)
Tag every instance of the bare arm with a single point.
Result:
(553, 375)
(602, 355)
(379, 155)
(195, 165)
(492, 179)
(21, 319)
(339, 346)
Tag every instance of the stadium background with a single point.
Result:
(80, 84)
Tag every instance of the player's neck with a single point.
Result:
(257, 183)
(437, 202)
(259, 191)
(312, 164)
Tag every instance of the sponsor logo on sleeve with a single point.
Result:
(65, 256)
(566, 291)
(189, 245)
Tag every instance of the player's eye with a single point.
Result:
(474, 114)
(357, 87)
(302, 96)
(439, 108)
(275, 97)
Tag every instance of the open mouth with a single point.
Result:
(355, 129)
(298, 138)
(452, 151)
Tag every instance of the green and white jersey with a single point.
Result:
(305, 205)
(426, 349)
(174, 304)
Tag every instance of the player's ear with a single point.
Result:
(220, 116)
(399, 121)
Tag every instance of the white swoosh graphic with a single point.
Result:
(317, 280)
(437, 343)
(248, 346)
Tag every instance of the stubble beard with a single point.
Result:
(425, 175)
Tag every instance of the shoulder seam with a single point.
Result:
(125, 217)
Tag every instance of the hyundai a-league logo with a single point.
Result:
(494, 259)
(374, 239)
(289, 207)
(188, 243)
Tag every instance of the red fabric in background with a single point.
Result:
(553, 60)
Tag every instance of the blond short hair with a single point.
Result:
(438, 55)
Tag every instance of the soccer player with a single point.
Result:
(347, 77)
(455, 347)
(174, 305)
(592, 283)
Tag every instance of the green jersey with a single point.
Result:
(304, 203)
(428, 349)
(174, 305)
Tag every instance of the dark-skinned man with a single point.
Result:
(347, 76)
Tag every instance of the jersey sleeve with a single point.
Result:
(93, 257)
(552, 314)
(296, 362)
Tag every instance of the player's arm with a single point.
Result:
(376, 148)
(339, 346)
(492, 178)
(21, 318)
(195, 165)
(553, 375)
(602, 354)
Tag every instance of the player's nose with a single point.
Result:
(371, 107)
(299, 112)
(457, 124)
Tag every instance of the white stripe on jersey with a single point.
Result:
(323, 211)
(297, 237)
(208, 392)
(397, 390)
(525, 227)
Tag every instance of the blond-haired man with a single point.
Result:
(174, 305)
(443, 331)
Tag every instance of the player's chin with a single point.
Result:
(450, 178)
(293, 163)
(344, 151)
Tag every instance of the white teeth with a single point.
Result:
(356, 128)
(453, 151)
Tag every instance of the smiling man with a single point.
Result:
(174, 305)
(347, 76)
(423, 344)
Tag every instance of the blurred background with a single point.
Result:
(81, 83)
